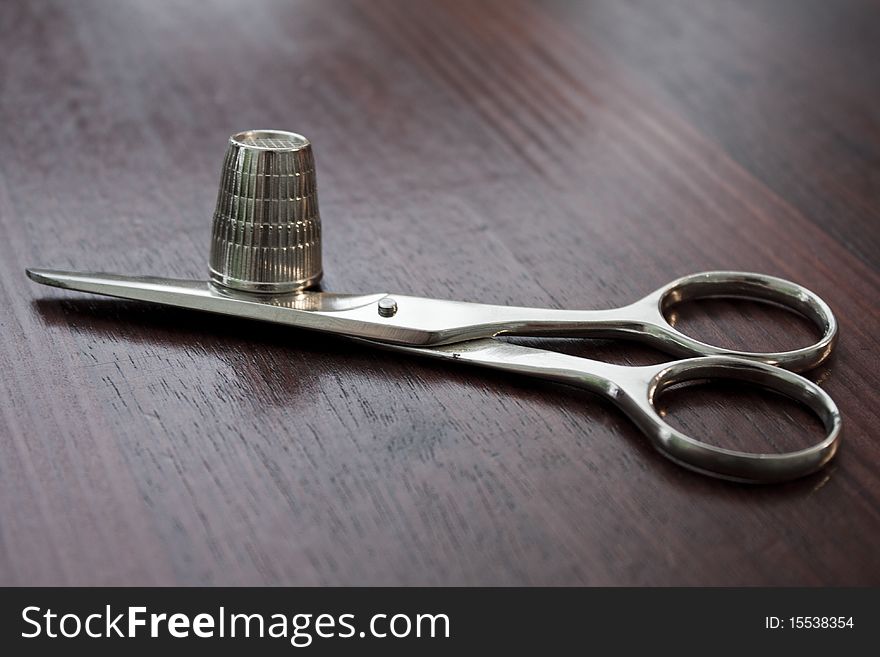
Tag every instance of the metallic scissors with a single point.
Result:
(266, 254)
(466, 333)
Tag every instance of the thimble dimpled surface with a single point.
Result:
(267, 230)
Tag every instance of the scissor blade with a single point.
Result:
(141, 288)
(417, 321)
(161, 290)
(331, 313)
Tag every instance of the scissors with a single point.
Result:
(266, 255)
(465, 332)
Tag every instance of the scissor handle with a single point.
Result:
(638, 397)
(759, 287)
(636, 390)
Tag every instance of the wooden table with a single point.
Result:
(573, 155)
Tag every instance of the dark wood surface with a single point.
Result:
(573, 155)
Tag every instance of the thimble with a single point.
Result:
(267, 230)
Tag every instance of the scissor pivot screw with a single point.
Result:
(387, 307)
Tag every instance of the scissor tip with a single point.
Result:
(44, 276)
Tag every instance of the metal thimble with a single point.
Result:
(267, 230)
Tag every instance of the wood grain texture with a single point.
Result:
(573, 155)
